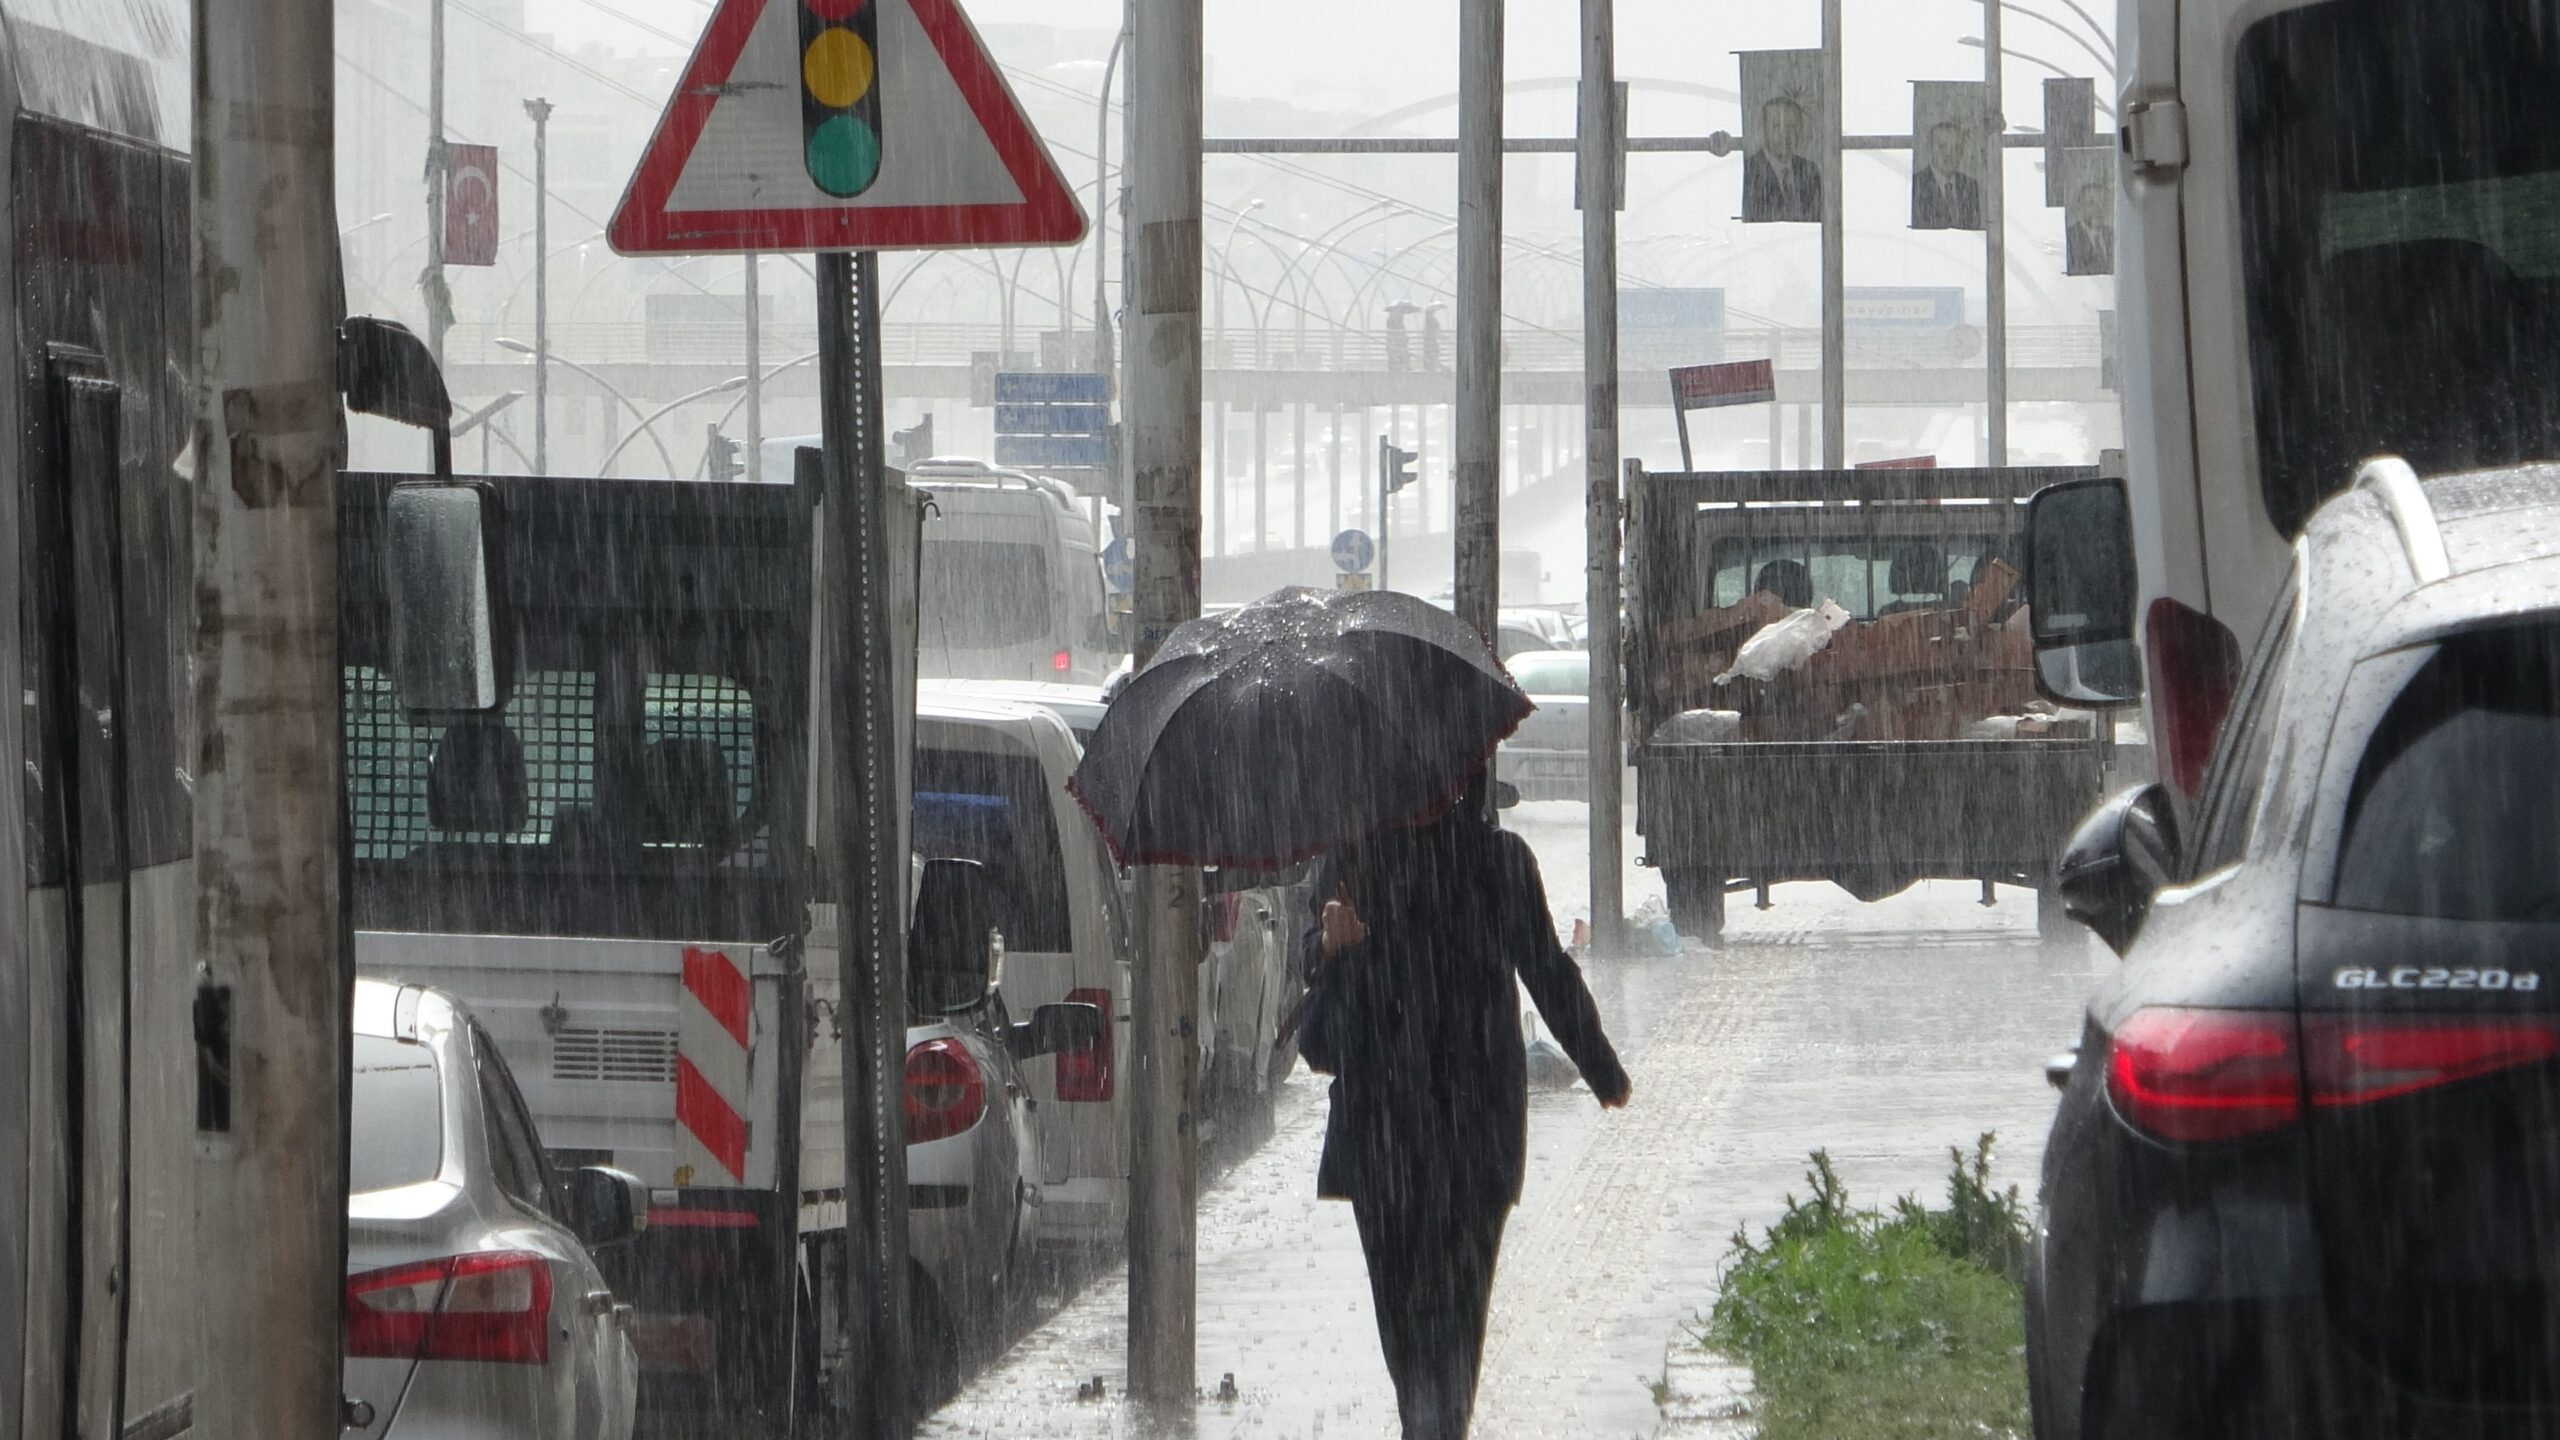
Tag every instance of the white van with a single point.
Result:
(991, 786)
(1010, 576)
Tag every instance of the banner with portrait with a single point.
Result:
(2089, 210)
(2070, 122)
(1950, 154)
(1786, 138)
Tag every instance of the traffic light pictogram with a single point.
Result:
(840, 94)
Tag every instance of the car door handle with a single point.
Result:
(2057, 1071)
(600, 1302)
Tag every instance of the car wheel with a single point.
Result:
(1696, 899)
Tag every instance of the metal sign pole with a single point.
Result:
(1601, 138)
(1835, 304)
(1164, 422)
(1475, 442)
(1995, 280)
(870, 894)
(269, 1187)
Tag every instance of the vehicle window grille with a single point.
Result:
(714, 708)
(553, 714)
(640, 1056)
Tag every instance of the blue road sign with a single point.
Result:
(1092, 452)
(1052, 419)
(1353, 551)
(1049, 387)
(1119, 566)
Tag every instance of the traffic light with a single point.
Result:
(839, 99)
(721, 459)
(915, 442)
(1395, 467)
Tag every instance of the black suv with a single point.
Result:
(2305, 1175)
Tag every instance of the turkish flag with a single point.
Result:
(471, 205)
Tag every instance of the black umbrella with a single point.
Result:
(1300, 721)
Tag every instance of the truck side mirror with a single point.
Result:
(2080, 593)
(951, 943)
(385, 370)
(452, 654)
(2119, 860)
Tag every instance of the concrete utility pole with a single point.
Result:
(751, 291)
(540, 110)
(273, 978)
(1835, 268)
(871, 864)
(1163, 409)
(1599, 196)
(439, 173)
(1475, 449)
(1995, 280)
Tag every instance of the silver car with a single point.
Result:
(1547, 757)
(473, 1305)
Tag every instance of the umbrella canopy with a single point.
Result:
(1303, 720)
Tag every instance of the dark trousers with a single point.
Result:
(1431, 1278)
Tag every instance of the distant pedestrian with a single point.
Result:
(1413, 1008)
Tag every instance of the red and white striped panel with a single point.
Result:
(712, 1051)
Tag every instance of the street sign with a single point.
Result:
(1353, 551)
(1351, 582)
(829, 126)
(1120, 566)
(1052, 419)
(1074, 452)
(1712, 387)
(1047, 387)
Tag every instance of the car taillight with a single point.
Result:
(1223, 913)
(1062, 662)
(945, 1092)
(2354, 1060)
(492, 1306)
(1086, 1074)
(2195, 668)
(2205, 1074)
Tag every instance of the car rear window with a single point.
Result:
(2455, 810)
(1553, 674)
(993, 807)
(396, 1132)
(984, 594)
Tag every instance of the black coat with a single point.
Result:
(1420, 1023)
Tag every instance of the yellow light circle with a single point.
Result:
(836, 67)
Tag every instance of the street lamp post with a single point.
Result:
(540, 110)
(521, 348)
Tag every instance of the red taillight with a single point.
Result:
(2352, 1060)
(945, 1092)
(2205, 1074)
(1086, 1074)
(2195, 667)
(1224, 910)
(1062, 662)
(493, 1306)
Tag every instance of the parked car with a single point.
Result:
(2302, 1176)
(1250, 987)
(1537, 627)
(1080, 706)
(1548, 757)
(473, 1303)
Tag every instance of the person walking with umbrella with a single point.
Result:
(1412, 1007)
(1380, 710)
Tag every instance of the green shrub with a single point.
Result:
(1861, 1324)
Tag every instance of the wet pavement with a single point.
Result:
(1883, 1033)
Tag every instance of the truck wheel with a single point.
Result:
(1697, 904)
(2055, 929)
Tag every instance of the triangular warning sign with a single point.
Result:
(942, 155)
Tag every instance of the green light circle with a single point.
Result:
(844, 156)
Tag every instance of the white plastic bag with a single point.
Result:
(1785, 643)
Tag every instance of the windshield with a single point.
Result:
(395, 1129)
(2400, 184)
(1866, 575)
(2456, 807)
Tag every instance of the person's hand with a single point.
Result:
(1342, 927)
(1619, 1100)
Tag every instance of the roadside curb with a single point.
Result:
(1705, 1395)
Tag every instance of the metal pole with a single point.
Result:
(1475, 446)
(1835, 305)
(1995, 280)
(540, 110)
(1101, 210)
(274, 975)
(752, 293)
(1164, 420)
(871, 890)
(1600, 139)
(439, 166)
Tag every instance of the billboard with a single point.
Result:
(2070, 122)
(1785, 136)
(2089, 211)
(1950, 154)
